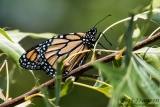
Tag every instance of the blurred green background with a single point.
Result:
(60, 17)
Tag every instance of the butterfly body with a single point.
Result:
(45, 55)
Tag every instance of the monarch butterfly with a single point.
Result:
(45, 55)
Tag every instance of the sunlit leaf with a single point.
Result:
(151, 56)
(5, 35)
(16, 35)
(106, 90)
(67, 87)
(13, 50)
(155, 4)
(136, 32)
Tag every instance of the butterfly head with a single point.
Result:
(90, 38)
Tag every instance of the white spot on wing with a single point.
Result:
(23, 56)
(55, 36)
(50, 40)
(61, 36)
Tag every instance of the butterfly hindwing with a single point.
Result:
(31, 59)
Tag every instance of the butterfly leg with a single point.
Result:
(104, 37)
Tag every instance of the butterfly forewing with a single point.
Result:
(61, 50)
(46, 55)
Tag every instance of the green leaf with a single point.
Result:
(117, 63)
(120, 41)
(155, 4)
(151, 56)
(67, 87)
(132, 81)
(145, 82)
(100, 78)
(46, 99)
(58, 80)
(149, 69)
(120, 80)
(13, 50)
(128, 40)
(113, 75)
(17, 36)
(60, 92)
(156, 18)
(5, 35)
(106, 90)
(136, 32)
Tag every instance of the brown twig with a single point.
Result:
(50, 84)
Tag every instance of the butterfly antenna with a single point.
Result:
(101, 20)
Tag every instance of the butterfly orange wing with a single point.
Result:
(45, 55)
(62, 47)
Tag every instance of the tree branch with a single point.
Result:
(50, 84)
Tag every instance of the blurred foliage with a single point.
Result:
(122, 84)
